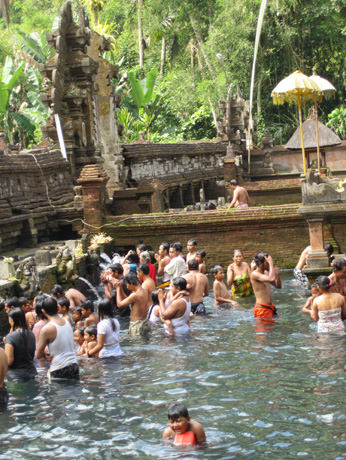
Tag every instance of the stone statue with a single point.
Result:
(27, 277)
(65, 266)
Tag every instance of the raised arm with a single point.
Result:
(230, 275)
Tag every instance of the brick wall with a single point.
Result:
(278, 230)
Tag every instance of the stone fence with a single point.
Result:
(36, 190)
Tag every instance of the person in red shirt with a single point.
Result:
(146, 259)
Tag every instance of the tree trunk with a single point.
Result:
(163, 54)
(140, 33)
(200, 43)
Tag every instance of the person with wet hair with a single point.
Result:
(222, 296)
(90, 336)
(261, 278)
(41, 319)
(77, 317)
(20, 348)
(238, 276)
(182, 429)
(198, 287)
(338, 276)
(147, 282)
(64, 308)
(29, 310)
(329, 308)
(108, 333)
(58, 336)
(162, 258)
(177, 309)
(200, 256)
(113, 271)
(191, 250)
(11, 303)
(88, 314)
(73, 295)
(138, 299)
(78, 337)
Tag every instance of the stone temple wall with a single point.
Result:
(36, 197)
(180, 161)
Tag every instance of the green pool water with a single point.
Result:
(275, 392)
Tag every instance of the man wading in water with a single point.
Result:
(264, 307)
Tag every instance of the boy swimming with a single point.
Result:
(183, 430)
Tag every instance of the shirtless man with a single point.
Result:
(3, 389)
(73, 295)
(240, 196)
(191, 250)
(338, 276)
(222, 295)
(198, 286)
(298, 271)
(264, 307)
(162, 258)
(147, 282)
(138, 299)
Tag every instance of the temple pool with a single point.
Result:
(275, 392)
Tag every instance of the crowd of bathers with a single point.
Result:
(165, 289)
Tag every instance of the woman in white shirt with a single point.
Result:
(108, 332)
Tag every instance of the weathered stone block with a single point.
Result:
(43, 257)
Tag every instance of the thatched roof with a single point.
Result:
(326, 136)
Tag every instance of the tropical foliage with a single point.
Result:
(188, 52)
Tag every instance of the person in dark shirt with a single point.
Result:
(20, 348)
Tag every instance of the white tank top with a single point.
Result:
(180, 325)
(62, 348)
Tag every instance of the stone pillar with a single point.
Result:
(317, 257)
(93, 181)
(229, 166)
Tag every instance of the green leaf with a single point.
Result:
(149, 84)
(136, 90)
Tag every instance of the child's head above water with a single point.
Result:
(178, 418)
(78, 335)
(90, 333)
(314, 290)
(217, 272)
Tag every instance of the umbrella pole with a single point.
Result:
(318, 140)
(301, 132)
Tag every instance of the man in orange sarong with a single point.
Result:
(261, 278)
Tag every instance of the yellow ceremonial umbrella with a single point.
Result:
(327, 90)
(299, 88)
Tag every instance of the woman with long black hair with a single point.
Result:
(20, 348)
(108, 332)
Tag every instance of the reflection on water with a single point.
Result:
(274, 392)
